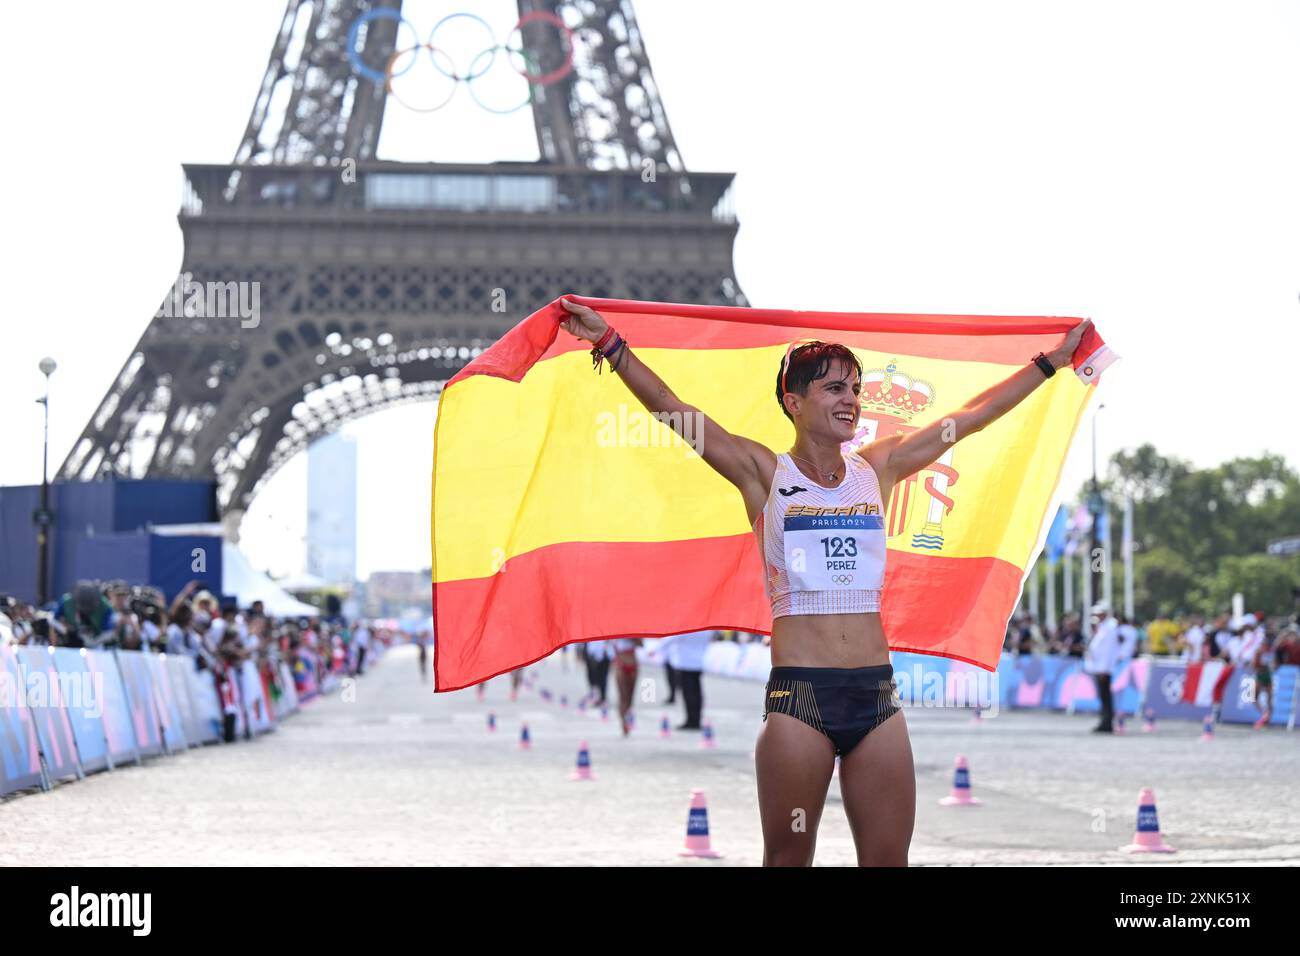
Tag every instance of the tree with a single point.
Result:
(1189, 522)
(1264, 580)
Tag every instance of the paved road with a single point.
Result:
(402, 776)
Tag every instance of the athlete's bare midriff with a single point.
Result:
(829, 640)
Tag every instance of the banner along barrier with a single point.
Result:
(164, 698)
(1040, 682)
(140, 701)
(118, 732)
(1128, 685)
(257, 708)
(48, 710)
(178, 669)
(288, 702)
(1165, 693)
(1239, 698)
(207, 704)
(20, 756)
(83, 698)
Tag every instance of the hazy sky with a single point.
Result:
(1131, 161)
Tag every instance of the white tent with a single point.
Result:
(302, 582)
(241, 579)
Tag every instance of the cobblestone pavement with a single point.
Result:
(402, 776)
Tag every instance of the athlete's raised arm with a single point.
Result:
(901, 455)
(745, 463)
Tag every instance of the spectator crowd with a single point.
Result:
(218, 637)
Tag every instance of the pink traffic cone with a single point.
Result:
(1147, 839)
(1149, 722)
(492, 723)
(697, 830)
(706, 736)
(583, 771)
(480, 692)
(664, 730)
(1120, 720)
(525, 741)
(604, 712)
(961, 792)
(977, 717)
(1207, 729)
(564, 701)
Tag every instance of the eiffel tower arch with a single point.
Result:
(374, 282)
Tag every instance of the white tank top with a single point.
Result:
(823, 548)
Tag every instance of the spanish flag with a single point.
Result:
(563, 511)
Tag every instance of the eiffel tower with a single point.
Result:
(377, 281)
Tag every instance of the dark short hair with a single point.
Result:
(808, 363)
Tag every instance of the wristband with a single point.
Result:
(622, 355)
(597, 355)
(1044, 365)
(610, 349)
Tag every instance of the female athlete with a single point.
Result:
(819, 517)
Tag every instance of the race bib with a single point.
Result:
(835, 552)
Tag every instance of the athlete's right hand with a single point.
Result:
(583, 322)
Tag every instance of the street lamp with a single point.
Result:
(43, 516)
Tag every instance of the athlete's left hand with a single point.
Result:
(1063, 354)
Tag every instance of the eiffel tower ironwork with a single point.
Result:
(377, 281)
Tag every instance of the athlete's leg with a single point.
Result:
(625, 678)
(878, 784)
(794, 763)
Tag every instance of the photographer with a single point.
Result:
(147, 603)
(123, 627)
(85, 614)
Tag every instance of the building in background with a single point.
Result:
(391, 593)
(332, 509)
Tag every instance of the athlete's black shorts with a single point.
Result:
(844, 703)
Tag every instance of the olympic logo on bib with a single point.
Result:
(841, 579)
(479, 65)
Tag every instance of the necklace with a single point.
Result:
(832, 476)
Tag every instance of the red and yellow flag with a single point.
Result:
(563, 511)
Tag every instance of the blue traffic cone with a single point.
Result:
(697, 830)
(1147, 839)
(961, 792)
(583, 771)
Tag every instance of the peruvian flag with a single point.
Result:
(1202, 684)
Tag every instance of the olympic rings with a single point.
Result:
(531, 71)
(842, 579)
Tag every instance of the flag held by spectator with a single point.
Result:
(562, 511)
